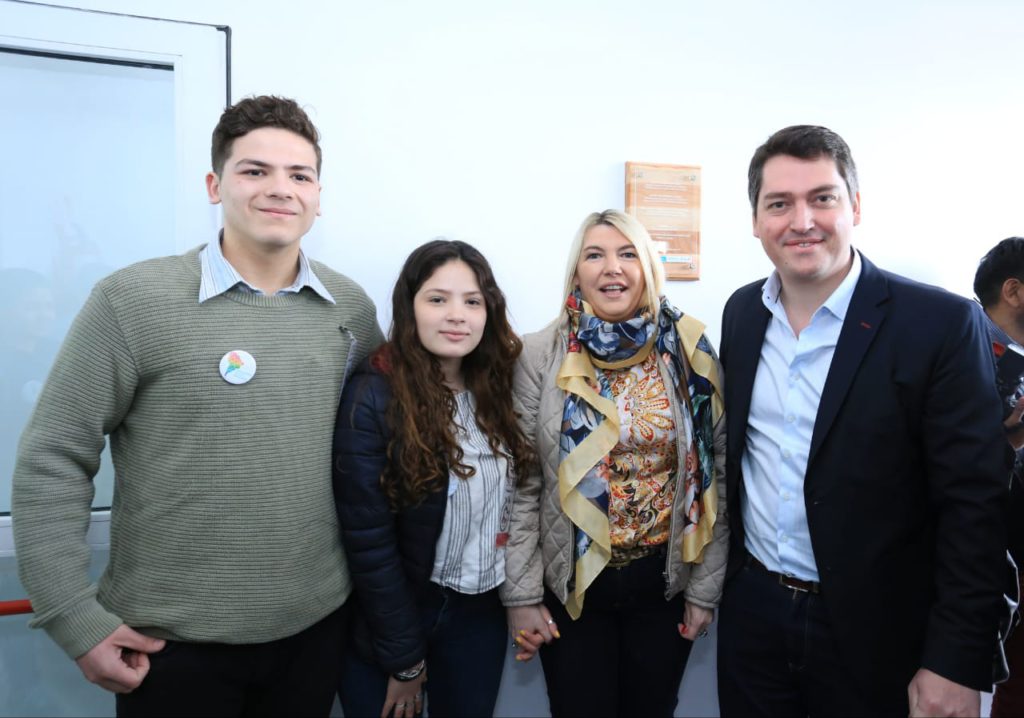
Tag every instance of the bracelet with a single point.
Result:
(410, 674)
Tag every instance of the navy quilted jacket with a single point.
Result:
(390, 555)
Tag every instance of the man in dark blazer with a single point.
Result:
(998, 285)
(866, 467)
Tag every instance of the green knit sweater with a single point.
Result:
(223, 526)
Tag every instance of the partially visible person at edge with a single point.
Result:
(427, 449)
(216, 376)
(865, 465)
(619, 539)
(999, 287)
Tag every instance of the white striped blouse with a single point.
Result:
(470, 556)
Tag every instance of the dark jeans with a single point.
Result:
(466, 643)
(291, 676)
(777, 655)
(624, 655)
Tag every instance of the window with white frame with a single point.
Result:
(106, 126)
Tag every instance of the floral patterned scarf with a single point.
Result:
(590, 423)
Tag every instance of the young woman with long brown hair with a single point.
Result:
(426, 449)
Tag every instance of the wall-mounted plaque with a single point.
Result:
(666, 200)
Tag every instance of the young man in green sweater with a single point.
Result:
(216, 375)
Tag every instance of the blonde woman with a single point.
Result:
(619, 537)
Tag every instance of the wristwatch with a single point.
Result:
(410, 674)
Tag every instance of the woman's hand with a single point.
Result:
(695, 621)
(531, 627)
(405, 697)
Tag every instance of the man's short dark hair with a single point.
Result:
(1004, 261)
(805, 142)
(253, 113)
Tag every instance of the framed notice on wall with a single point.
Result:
(666, 200)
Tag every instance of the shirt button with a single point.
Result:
(793, 377)
(785, 453)
(785, 496)
(783, 538)
(790, 418)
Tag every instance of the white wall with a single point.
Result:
(505, 124)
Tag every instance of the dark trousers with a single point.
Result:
(624, 655)
(291, 676)
(466, 643)
(777, 655)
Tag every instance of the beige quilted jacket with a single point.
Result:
(540, 548)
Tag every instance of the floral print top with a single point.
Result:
(642, 465)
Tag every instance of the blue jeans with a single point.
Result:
(466, 643)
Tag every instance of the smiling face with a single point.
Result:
(450, 316)
(609, 274)
(268, 189)
(804, 218)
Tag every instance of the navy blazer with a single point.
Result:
(906, 478)
(390, 554)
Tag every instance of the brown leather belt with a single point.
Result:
(791, 582)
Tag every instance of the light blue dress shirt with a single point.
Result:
(218, 276)
(787, 389)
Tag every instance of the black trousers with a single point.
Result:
(296, 676)
(777, 655)
(624, 655)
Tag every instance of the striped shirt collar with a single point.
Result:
(218, 276)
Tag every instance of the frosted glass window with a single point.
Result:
(90, 148)
(106, 120)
